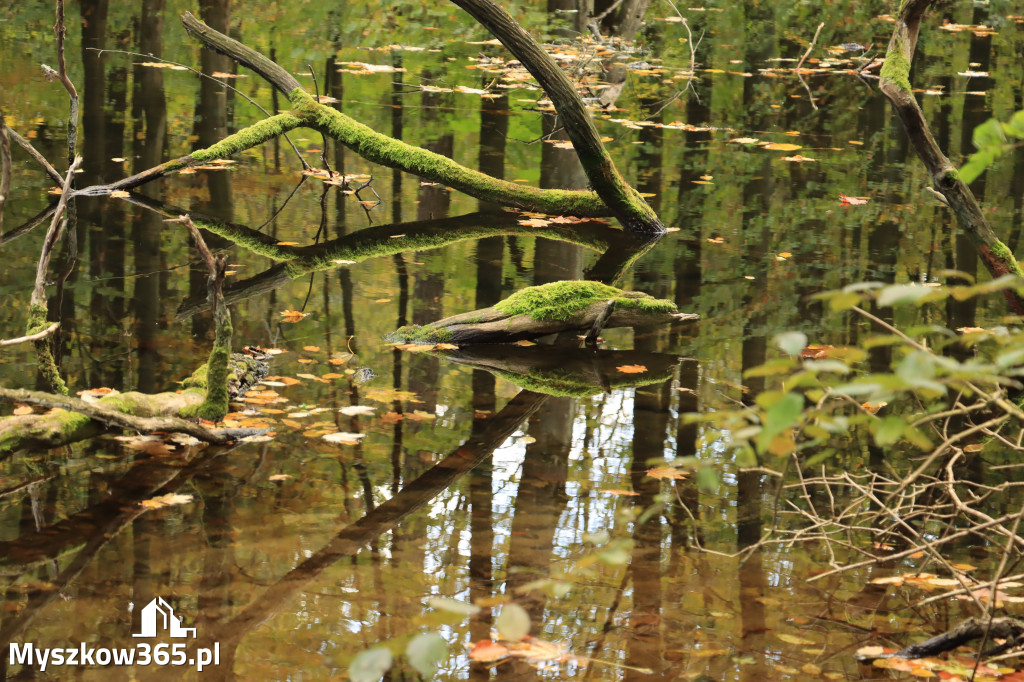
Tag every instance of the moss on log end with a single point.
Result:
(560, 301)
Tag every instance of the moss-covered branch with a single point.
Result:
(215, 405)
(895, 84)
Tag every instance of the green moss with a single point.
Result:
(1003, 253)
(559, 301)
(393, 153)
(952, 175)
(896, 67)
(37, 322)
(249, 137)
(217, 369)
(414, 333)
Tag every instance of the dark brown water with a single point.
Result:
(295, 554)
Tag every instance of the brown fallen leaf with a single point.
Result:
(292, 315)
(167, 500)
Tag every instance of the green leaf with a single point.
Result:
(707, 480)
(826, 366)
(513, 623)
(453, 605)
(370, 665)
(425, 652)
(844, 301)
(889, 431)
(902, 293)
(791, 342)
(779, 417)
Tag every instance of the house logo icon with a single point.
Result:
(158, 614)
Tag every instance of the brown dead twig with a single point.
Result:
(5, 169)
(799, 64)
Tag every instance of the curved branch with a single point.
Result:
(894, 82)
(392, 153)
(625, 202)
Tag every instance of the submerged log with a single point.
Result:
(547, 309)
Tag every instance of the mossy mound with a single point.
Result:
(561, 300)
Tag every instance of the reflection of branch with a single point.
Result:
(353, 538)
(801, 63)
(62, 72)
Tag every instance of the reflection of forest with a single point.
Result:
(499, 488)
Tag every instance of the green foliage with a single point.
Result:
(513, 623)
(370, 665)
(992, 139)
(823, 398)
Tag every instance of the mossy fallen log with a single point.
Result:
(547, 309)
(143, 412)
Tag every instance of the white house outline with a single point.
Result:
(171, 623)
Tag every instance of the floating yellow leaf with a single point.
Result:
(632, 369)
(292, 315)
(167, 500)
(782, 146)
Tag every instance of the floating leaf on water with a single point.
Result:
(632, 369)
(619, 491)
(782, 146)
(852, 201)
(292, 315)
(344, 438)
(486, 651)
(354, 410)
(168, 500)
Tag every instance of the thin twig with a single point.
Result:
(34, 153)
(250, 100)
(62, 72)
(5, 169)
(39, 290)
(31, 337)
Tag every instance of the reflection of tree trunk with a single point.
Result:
(650, 426)
(149, 105)
(554, 260)
(212, 121)
(352, 539)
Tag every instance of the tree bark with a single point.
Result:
(894, 82)
(624, 201)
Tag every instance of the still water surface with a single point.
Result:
(297, 553)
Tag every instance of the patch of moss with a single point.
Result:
(414, 333)
(387, 151)
(249, 137)
(559, 301)
(37, 322)
(896, 68)
(1003, 253)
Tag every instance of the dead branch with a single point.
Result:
(5, 169)
(39, 158)
(52, 235)
(894, 82)
(31, 337)
(62, 73)
(624, 201)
